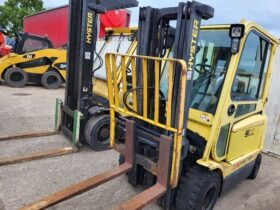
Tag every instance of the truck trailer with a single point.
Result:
(53, 23)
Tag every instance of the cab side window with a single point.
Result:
(248, 80)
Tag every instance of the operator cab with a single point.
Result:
(26, 43)
(229, 86)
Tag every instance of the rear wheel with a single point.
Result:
(51, 80)
(97, 132)
(256, 168)
(198, 189)
(16, 77)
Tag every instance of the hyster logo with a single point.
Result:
(193, 44)
(89, 27)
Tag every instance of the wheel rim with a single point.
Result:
(17, 77)
(103, 134)
(52, 80)
(209, 198)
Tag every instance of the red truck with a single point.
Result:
(53, 23)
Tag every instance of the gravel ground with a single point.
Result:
(32, 108)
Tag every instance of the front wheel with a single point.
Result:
(97, 132)
(198, 189)
(51, 80)
(16, 77)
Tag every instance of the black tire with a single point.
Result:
(198, 189)
(51, 80)
(16, 77)
(97, 132)
(256, 168)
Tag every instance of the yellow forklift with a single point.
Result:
(95, 131)
(34, 60)
(195, 121)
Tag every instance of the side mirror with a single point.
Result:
(236, 32)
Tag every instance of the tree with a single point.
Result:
(13, 12)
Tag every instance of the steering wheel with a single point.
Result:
(204, 68)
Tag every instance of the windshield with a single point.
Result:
(212, 61)
(114, 44)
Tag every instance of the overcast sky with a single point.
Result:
(264, 12)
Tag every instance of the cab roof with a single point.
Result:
(248, 25)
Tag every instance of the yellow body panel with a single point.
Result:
(198, 128)
(227, 168)
(61, 60)
(201, 117)
(248, 123)
(243, 142)
(100, 87)
(246, 136)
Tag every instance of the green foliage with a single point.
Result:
(13, 12)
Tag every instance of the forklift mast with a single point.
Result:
(158, 128)
(157, 39)
(156, 36)
(83, 34)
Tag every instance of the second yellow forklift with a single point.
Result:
(95, 118)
